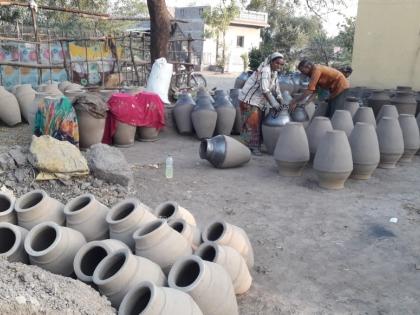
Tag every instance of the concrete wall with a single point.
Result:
(387, 44)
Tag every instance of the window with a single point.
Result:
(240, 41)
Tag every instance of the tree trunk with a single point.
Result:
(160, 29)
(223, 51)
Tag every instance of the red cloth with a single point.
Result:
(142, 109)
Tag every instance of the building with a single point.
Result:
(386, 49)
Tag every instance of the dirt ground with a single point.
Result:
(316, 251)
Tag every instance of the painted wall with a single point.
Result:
(387, 44)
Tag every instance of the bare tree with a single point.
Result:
(160, 28)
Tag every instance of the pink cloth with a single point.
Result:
(142, 109)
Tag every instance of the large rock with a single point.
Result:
(109, 164)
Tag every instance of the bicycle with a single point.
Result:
(179, 81)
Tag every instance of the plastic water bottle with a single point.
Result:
(169, 169)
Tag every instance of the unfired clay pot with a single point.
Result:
(224, 152)
(53, 247)
(391, 142)
(127, 216)
(292, 150)
(342, 120)
(352, 105)
(172, 210)
(410, 131)
(418, 124)
(418, 102)
(160, 243)
(63, 85)
(208, 283)
(234, 98)
(72, 94)
(52, 89)
(147, 134)
(25, 96)
(7, 209)
(182, 113)
(204, 118)
(91, 254)
(405, 101)
(9, 108)
(231, 235)
(365, 114)
(149, 299)
(225, 113)
(271, 128)
(91, 129)
(377, 99)
(387, 111)
(365, 150)
(121, 271)
(12, 238)
(315, 132)
(333, 161)
(87, 215)
(191, 233)
(36, 207)
(229, 259)
(124, 135)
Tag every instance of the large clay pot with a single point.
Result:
(342, 120)
(377, 99)
(36, 207)
(63, 85)
(234, 98)
(202, 92)
(224, 152)
(365, 114)
(405, 102)
(352, 105)
(387, 111)
(418, 102)
(91, 254)
(149, 299)
(316, 131)
(7, 209)
(225, 113)
(172, 210)
(160, 243)
(53, 247)
(9, 108)
(321, 109)
(124, 135)
(91, 129)
(25, 96)
(411, 136)
(121, 271)
(229, 259)
(241, 79)
(365, 150)
(12, 238)
(231, 235)
(127, 216)
(191, 233)
(87, 215)
(208, 283)
(333, 161)
(182, 113)
(391, 142)
(292, 150)
(271, 128)
(204, 118)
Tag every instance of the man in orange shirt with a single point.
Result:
(326, 78)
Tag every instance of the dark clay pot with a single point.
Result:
(234, 98)
(225, 113)
(271, 128)
(377, 99)
(182, 113)
(240, 81)
(405, 102)
(202, 92)
(418, 102)
(204, 117)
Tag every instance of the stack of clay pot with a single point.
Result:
(272, 126)
(182, 113)
(226, 113)
(204, 115)
(9, 108)
(377, 99)
(25, 96)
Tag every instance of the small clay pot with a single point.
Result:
(91, 129)
(365, 114)
(12, 238)
(352, 105)
(411, 136)
(387, 111)
(315, 132)
(7, 209)
(124, 135)
(191, 233)
(342, 120)
(147, 134)
(391, 142)
(172, 210)
(182, 113)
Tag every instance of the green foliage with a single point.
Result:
(345, 40)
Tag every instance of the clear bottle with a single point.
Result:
(169, 167)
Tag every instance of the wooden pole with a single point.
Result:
(132, 59)
(38, 50)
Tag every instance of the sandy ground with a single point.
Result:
(316, 251)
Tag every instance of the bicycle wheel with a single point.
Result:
(198, 80)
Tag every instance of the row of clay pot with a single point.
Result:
(126, 134)
(404, 98)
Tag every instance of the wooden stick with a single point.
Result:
(30, 65)
(132, 60)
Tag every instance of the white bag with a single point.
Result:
(160, 79)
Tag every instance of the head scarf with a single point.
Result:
(269, 59)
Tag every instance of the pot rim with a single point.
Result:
(132, 296)
(172, 222)
(160, 224)
(175, 270)
(73, 202)
(112, 256)
(18, 236)
(116, 209)
(161, 207)
(12, 202)
(211, 225)
(206, 245)
(34, 232)
(18, 202)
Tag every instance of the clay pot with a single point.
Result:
(411, 136)
(229, 259)
(310, 109)
(36, 207)
(72, 94)
(149, 299)
(333, 161)
(405, 102)
(9, 108)
(91, 254)
(241, 79)
(418, 102)
(147, 134)
(182, 113)
(292, 150)
(202, 92)
(191, 233)
(234, 98)
(391, 142)
(352, 105)
(73, 86)
(404, 88)
(12, 238)
(365, 150)
(87, 215)
(124, 135)
(52, 89)
(387, 111)
(63, 85)
(342, 120)
(7, 206)
(299, 114)
(225, 113)
(377, 99)
(204, 118)
(315, 132)
(25, 95)
(160, 243)
(365, 114)
(418, 124)
(121, 271)
(127, 216)
(321, 109)
(271, 128)
(14, 88)
(172, 210)
(53, 247)
(224, 152)
(227, 234)
(208, 283)
(91, 129)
